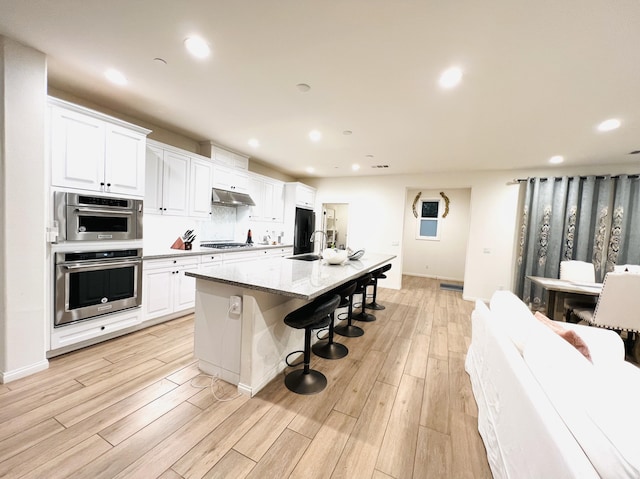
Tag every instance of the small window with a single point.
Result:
(429, 220)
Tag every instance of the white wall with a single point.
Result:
(376, 205)
(443, 258)
(23, 254)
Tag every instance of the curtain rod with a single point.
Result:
(558, 178)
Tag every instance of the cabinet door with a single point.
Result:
(153, 181)
(185, 289)
(157, 293)
(124, 161)
(222, 177)
(268, 201)
(256, 191)
(278, 201)
(77, 150)
(175, 184)
(200, 188)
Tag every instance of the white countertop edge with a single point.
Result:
(155, 253)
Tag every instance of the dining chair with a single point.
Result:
(618, 306)
(577, 272)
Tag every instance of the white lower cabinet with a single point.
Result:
(275, 252)
(166, 289)
(93, 328)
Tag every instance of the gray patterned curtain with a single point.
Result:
(594, 219)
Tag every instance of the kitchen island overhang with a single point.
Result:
(247, 347)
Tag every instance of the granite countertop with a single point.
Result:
(288, 277)
(159, 253)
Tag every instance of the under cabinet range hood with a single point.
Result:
(230, 198)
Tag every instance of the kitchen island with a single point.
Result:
(240, 335)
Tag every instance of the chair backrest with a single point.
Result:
(578, 271)
(630, 268)
(618, 305)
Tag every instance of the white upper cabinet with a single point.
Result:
(227, 178)
(268, 194)
(167, 177)
(229, 158)
(305, 195)
(124, 161)
(200, 187)
(95, 152)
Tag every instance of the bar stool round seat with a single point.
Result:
(314, 315)
(376, 275)
(361, 287)
(348, 330)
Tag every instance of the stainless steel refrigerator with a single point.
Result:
(303, 229)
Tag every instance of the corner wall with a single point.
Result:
(22, 225)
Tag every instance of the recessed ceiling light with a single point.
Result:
(315, 135)
(310, 169)
(355, 167)
(555, 160)
(368, 156)
(254, 143)
(347, 132)
(159, 60)
(450, 77)
(610, 124)
(303, 87)
(197, 47)
(115, 76)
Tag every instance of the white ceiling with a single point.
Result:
(538, 76)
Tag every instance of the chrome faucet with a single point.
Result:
(313, 236)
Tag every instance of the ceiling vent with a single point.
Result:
(380, 166)
(634, 152)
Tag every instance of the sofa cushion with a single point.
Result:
(569, 335)
(605, 346)
(591, 402)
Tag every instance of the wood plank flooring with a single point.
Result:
(398, 406)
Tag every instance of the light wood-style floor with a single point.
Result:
(398, 406)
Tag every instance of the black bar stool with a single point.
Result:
(327, 348)
(376, 275)
(314, 315)
(348, 330)
(361, 287)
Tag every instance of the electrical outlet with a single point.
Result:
(235, 305)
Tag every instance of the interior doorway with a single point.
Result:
(335, 222)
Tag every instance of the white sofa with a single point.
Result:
(544, 410)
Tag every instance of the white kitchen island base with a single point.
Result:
(246, 349)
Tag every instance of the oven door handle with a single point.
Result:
(109, 264)
(105, 212)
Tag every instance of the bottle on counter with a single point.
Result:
(249, 239)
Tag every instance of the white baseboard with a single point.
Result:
(8, 376)
(443, 278)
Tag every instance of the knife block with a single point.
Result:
(179, 244)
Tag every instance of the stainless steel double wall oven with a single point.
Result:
(95, 277)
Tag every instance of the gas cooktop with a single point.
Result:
(225, 245)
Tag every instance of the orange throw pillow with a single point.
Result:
(568, 335)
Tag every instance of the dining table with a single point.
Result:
(561, 288)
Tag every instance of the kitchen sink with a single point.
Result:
(306, 257)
